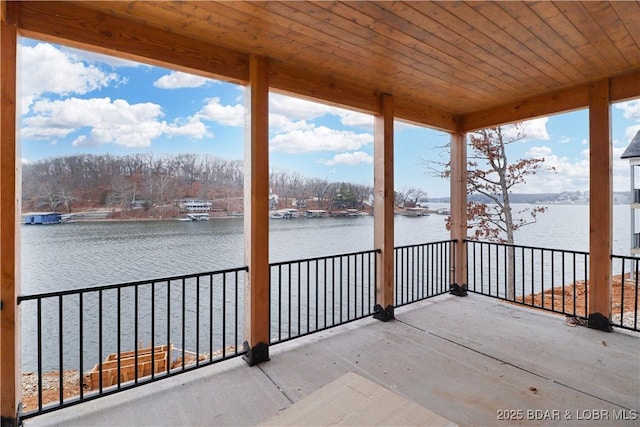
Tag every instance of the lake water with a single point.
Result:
(88, 254)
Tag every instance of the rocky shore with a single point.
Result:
(575, 298)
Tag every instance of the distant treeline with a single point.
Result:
(71, 183)
(535, 198)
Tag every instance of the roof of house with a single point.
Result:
(633, 149)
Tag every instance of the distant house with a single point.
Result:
(299, 203)
(194, 205)
(632, 153)
(41, 218)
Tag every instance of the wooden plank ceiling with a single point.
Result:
(449, 65)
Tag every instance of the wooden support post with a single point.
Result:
(10, 384)
(459, 213)
(600, 206)
(256, 213)
(383, 208)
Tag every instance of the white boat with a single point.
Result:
(316, 213)
(281, 214)
(195, 217)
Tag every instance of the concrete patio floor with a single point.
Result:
(472, 360)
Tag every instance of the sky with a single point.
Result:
(77, 102)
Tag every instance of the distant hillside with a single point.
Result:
(566, 197)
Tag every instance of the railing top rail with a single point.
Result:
(629, 257)
(127, 284)
(426, 244)
(295, 261)
(540, 248)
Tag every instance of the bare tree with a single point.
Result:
(408, 196)
(491, 175)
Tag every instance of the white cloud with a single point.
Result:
(351, 159)
(571, 174)
(50, 70)
(179, 80)
(356, 119)
(282, 124)
(109, 122)
(296, 108)
(535, 129)
(319, 139)
(631, 111)
(228, 115)
(538, 152)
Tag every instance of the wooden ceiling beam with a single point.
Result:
(622, 88)
(76, 26)
(286, 79)
(72, 24)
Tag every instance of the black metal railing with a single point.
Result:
(423, 271)
(313, 294)
(116, 337)
(625, 304)
(549, 279)
(120, 336)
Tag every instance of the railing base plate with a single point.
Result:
(600, 322)
(257, 354)
(458, 290)
(384, 314)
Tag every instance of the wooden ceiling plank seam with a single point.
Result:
(419, 20)
(387, 77)
(598, 39)
(607, 18)
(488, 23)
(630, 19)
(240, 16)
(238, 27)
(347, 55)
(396, 47)
(538, 41)
(429, 55)
(536, 25)
(70, 24)
(459, 14)
(376, 23)
(481, 46)
(549, 12)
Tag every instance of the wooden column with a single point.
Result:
(600, 206)
(256, 213)
(383, 208)
(10, 388)
(458, 230)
